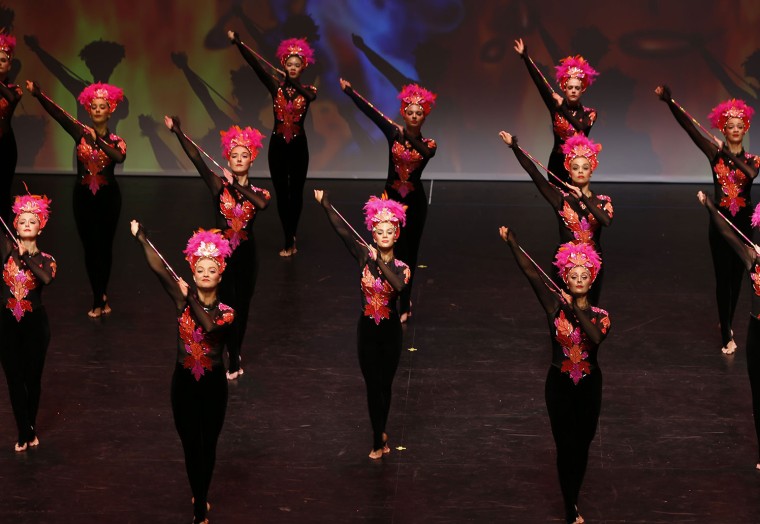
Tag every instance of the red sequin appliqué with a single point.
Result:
(95, 161)
(377, 293)
(238, 212)
(575, 344)
(755, 276)
(20, 282)
(562, 127)
(732, 182)
(406, 160)
(289, 113)
(582, 228)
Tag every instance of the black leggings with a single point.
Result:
(729, 272)
(8, 159)
(22, 353)
(236, 291)
(288, 166)
(379, 353)
(199, 407)
(408, 245)
(753, 369)
(574, 414)
(96, 217)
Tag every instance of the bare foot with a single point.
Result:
(376, 454)
(34, 443)
(757, 466)
(95, 313)
(386, 448)
(22, 448)
(287, 252)
(233, 375)
(106, 309)
(404, 317)
(730, 348)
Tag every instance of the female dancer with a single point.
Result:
(580, 212)
(10, 95)
(97, 198)
(379, 329)
(25, 328)
(288, 149)
(574, 75)
(408, 154)
(238, 202)
(750, 257)
(199, 387)
(573, 388)
(733, 171)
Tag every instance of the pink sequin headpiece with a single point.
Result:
(413, 94)
(579, 145)
(207, 244)
(731, 109)
(111, 94)
(379, 210)
(572, 255)
(38, 205)
(295, 47)
(249, 138)
(7, 44)
(575, 67)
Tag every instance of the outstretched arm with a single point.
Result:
(548, 299)
(389, 129)
(72, 126)
(357, 251)
(213, 182)
(745, 253)
(547, 190)
(381, 64)
(269, 81)
(704, 144)
(171, 286)
(546, 92)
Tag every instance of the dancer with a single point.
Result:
(733, 171)
(580, 212)
(25, 327)
(750, 257)
(573, 389)
(97, 198)
(574, 75)
(10, 94)
(288, 148)
(408, 154)
(379, 329)
(199, 386)
(238, 202)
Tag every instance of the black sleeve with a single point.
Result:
(258, 200)
(600, 214)
(420, 146)
(544, 90)
(743, 251)
(44, 273)
(11, 95)
(547, 190)
(548, 299)
(157, 266)
(749, 170)
(389, 129)
(6, 246)
(213, 182)
(309, 93)
(397, 282)
(593, 332)
(206, 319)
(269, 81)
(113, 152)
(72, 126)
(704, 144)
(358, 251)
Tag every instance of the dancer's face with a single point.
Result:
(207, 275)
(5, 63)
(580, 171)
(573, 90)
(414, 116)
(578, 281)
(99, 111)
(385, 234)
(734, 130)
(28, 226)
(294, 67)
(240, 160)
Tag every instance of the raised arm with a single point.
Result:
(213, 182)
(357, 251)
(704, 144)
(548, 298)
(547, 190)
(746, 253)
(269, 81)
(72, 126)
(389, 129)
(157, 266)
(546, 92)
(393, 75)
(594, 332)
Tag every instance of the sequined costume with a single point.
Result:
(236, 207)
(25, 331)
(407, 158)
(379, 328)
(566, 119)
(9, 97)
(288, 153)
(573, 389)
(96, 199)
(732, 182)
(751, 262)
(199, 384)
(579, 220)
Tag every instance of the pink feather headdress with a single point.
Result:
(249, 138)
(295, 47)
(111, 94)
(580, 145)
(379, 210)
(733, 108)
(38, 205)
(572, 255)
(413, 94)
(575, 67)
(7, 44)
(207, 243)
(756, 217)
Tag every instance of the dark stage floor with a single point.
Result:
(675, 441)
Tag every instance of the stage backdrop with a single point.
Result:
(172, 57)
